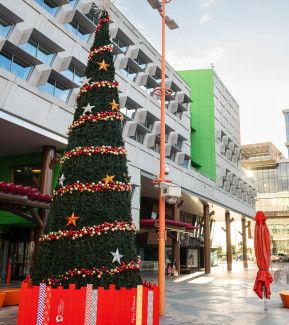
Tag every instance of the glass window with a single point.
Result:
(91, 16)
(141, 62)
(11, 63)
(48, 5)
(148, 123)
(179, 115)
(38, 50)
(157, 145)
(121, 44)
(26, 175)
(185, 163)
(129, 73)
(139, 136)
(5, 27)
(172, 155)
(72, 3)
(73, 74)
(179, 143)
(167, 134)
(78, 30)
(56, 89)
(128, 112)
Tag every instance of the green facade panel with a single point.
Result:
(203, 152)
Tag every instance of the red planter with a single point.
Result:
(45, 305)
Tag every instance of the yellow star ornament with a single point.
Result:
(103, 65)
(71, 220)
(108, 179)
(114, 105)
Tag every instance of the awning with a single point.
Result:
(172, 225)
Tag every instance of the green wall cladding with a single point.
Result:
(203, 152)
(7, 218)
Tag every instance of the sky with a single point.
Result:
(247, 42)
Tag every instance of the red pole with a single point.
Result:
(9, 270)
(161, 262)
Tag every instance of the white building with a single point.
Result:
(44, 47)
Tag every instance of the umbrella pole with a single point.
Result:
(265, 300)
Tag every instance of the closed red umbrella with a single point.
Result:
(262, 252)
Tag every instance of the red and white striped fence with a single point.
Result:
(43, 305)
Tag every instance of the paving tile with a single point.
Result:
(219, 299)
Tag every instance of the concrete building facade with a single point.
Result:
(44, 46)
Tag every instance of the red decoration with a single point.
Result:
(74, 306)
(101, 49)
(89, 151)
(97, 84)
(152, 222)
(89, 231)
(31, 193)
(102, 116)
(100, 22)
(94, 272)
(93, 187)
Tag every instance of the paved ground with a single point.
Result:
(220, 298)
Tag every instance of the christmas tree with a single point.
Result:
(89, 236)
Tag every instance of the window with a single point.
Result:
(157, 145)
(128, 112)
(56, 89)
(179, 143)
(185, 163)
(148, 89)
(38, 50)
(129, 73)
(5, 27)
(156, 77)
(167, 102)
(91, 16)
(73, 74)
(26, 175)
(121, 44)
(141, 62)
(72, 3)
(173, 155)
(78, 30)
(167, 134)
(149, 123)
(139, 136)
(179, 114)
(11, 63)
(48, 5)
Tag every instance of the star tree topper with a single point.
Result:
(116, 257)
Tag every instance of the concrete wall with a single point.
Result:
(22, 99)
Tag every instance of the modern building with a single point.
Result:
(268, 166)
(286, 115)
(43, 53)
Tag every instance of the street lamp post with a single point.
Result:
(162, 92)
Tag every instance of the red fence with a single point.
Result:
(43, 305)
